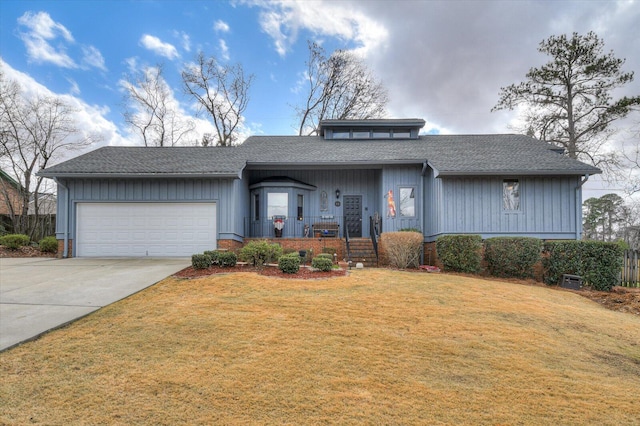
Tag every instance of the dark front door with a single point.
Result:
(353, 215)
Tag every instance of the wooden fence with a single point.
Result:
(630, 274)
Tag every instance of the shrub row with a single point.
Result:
(597, 262)
(14, 241)
(214, 258)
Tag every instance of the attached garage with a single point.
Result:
(152, 229)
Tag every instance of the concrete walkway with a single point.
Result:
(40, 294)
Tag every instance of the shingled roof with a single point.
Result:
(152, 162)
(451, 155)
(447, 154)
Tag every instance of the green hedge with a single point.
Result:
(48, 245)
(460, 253)
(512, 256)
(260, 252)
(200, 261)
(322, 263)
(597, 262)
(289, 263)
(15, 241)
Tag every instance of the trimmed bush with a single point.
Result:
(460, 253)
(326, 256)
(213, 254)
(512, 256)
(329, 250)
(597, 262)
(200, 261)
(226, 259)
(48, 245)
(402, 248)
(289, 263)
(260, 252)
(15, 241)
(322, 263)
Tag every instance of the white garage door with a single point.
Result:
(145, 229)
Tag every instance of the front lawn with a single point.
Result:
(375, 347)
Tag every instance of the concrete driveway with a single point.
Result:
(40, 294)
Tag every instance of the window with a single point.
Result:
(407, 202)
(401, 134)
(277, 204)
(341, 134)
(511, 194)
(381, 134)
(256, 206)
(361, 134)
(300, 206)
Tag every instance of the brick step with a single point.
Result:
(362, 251)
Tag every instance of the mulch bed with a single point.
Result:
(270, 271)
(26, 251)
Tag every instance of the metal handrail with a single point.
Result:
(346, 239)
(374, 232)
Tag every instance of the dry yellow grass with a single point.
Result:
(376, 347)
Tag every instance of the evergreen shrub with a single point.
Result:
(200, 261)
(512, 256)
(260, 252)
(322, 263)
(460, 253)
(289, 263)
(15, 241)
(48, 245)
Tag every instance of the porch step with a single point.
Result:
(362, 251)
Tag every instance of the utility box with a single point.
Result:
(573, 282)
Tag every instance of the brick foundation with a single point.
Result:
(231, 245)
(61, 249)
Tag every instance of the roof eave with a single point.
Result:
(234, 175)
(518, 172)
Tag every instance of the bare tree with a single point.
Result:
(33, 131)
(569, 99)
(151, 112)
(338, 87)
(222, 91)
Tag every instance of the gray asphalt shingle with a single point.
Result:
(448, 154)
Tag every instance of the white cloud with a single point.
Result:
(41, 30)
(92, 58)
(221, 26)
(184, 39)
(282, 20)
(159, 47)
(224, 50)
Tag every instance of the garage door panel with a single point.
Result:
(145, 229)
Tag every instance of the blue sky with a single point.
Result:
(443, 61)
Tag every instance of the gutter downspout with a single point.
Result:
(65, 250)
(579, 207)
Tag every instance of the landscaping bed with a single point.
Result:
(271, 271)
(26, 251)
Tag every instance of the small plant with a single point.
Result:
(325, 256)
(460, 253)
(226, 259)
(213, 254)
(15, 241)
(260, 252)
(289, 263)
(200, 261)
(48, 245)
(322, 263)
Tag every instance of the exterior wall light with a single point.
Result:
(337, 193)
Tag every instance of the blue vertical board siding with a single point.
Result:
(222, 191)
(473, 205)
(364, 182)
(393, 178)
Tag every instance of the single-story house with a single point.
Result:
(357, 178)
